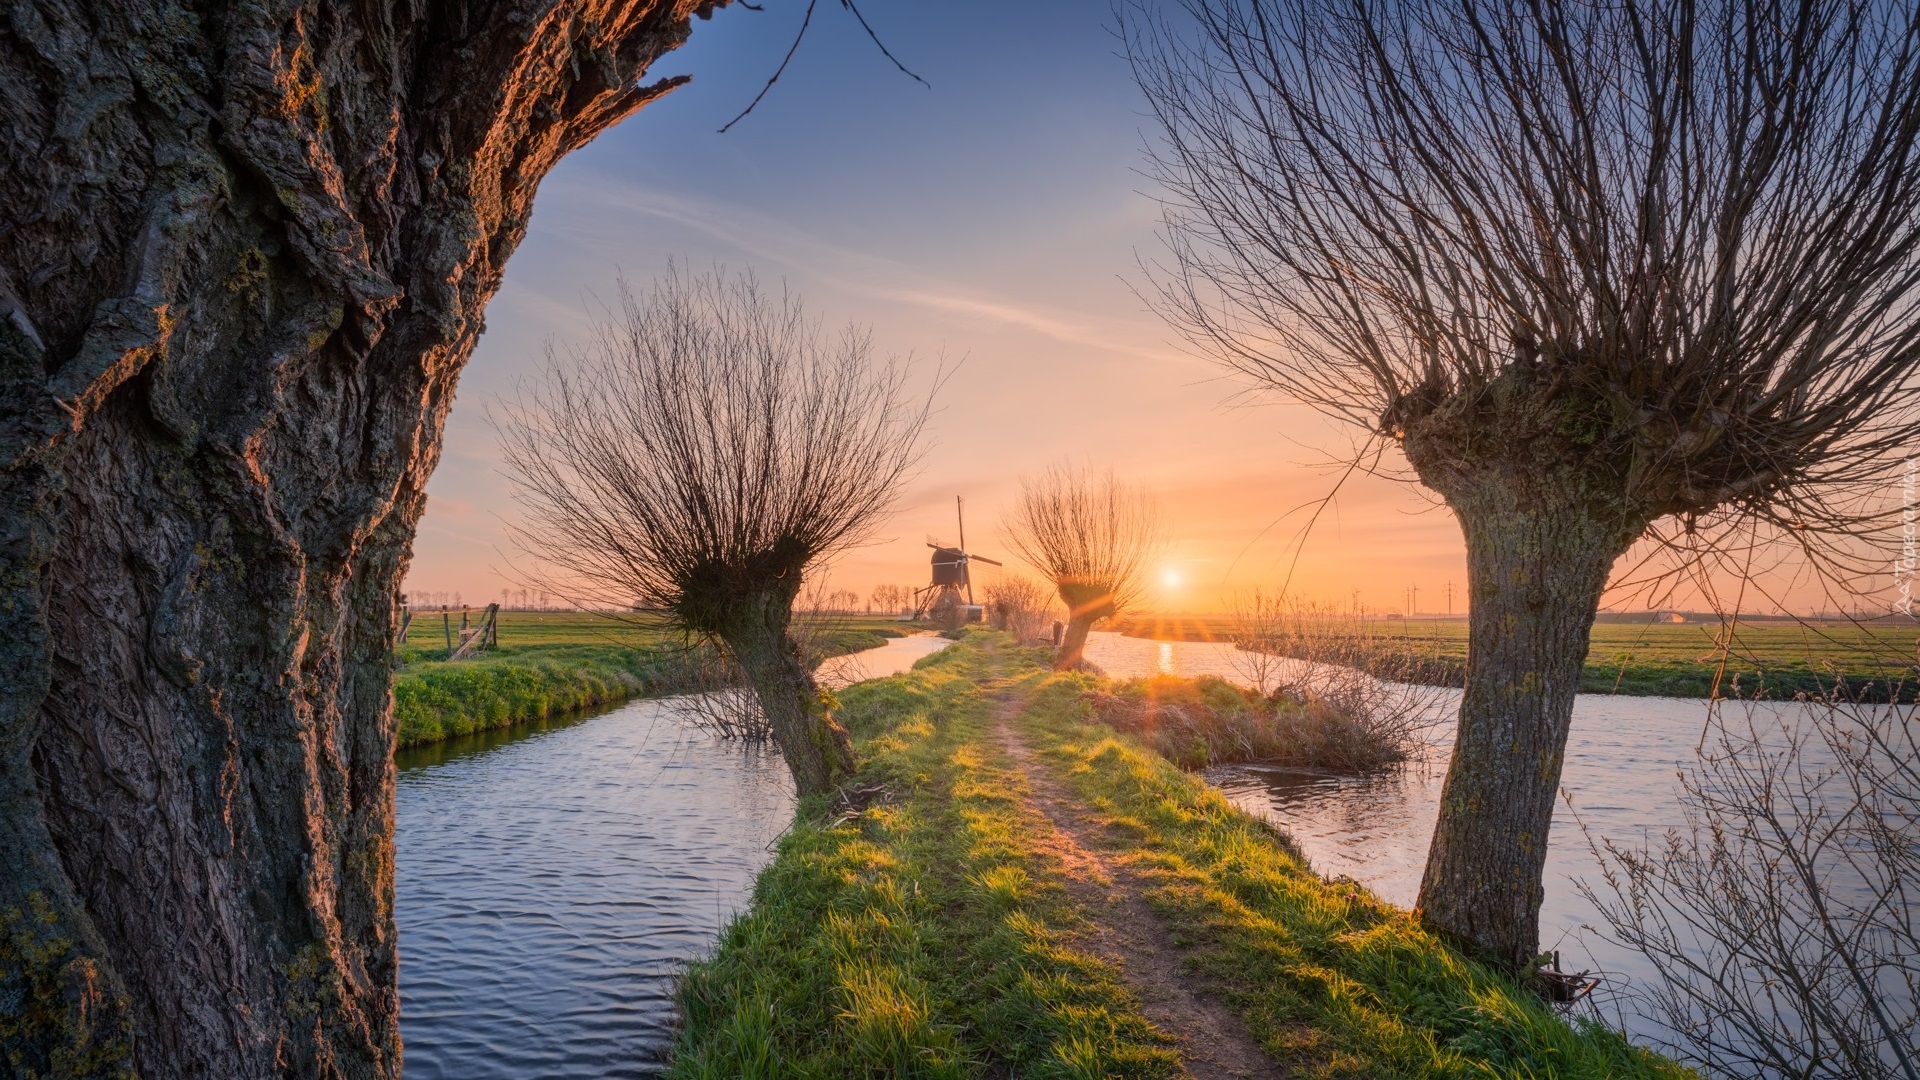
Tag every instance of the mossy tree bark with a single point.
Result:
(816, 748)
(1535, 571)
(1545, 514)
(244, 251)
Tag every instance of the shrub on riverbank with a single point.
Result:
(931, 934)
(1206, 721)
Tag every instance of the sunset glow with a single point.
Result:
(979, 230)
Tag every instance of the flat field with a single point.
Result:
(427, 637)
(1678, 659)
(550, 663)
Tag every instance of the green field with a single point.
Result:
(426, 637)
(1779, 658)
(551, 663)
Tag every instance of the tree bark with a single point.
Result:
(1540, 545)
(1073, 647)
(817, 750)
(244, 251)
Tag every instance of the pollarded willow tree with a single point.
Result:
(1090, 536)
(703, 452)
(1602, 270)
(244, 252)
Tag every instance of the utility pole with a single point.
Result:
(1449, 599)
(1413, 601)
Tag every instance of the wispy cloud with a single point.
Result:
(771, 243)
(607, 199)
(1061, 326)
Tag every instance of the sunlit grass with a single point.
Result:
(514, 685)
(933, 937)
(927, 939)
(1328, 977)
(551, 663)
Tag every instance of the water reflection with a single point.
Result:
(897, 655)
(551, 879)
(1622, 760)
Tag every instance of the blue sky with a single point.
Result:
(995, 218)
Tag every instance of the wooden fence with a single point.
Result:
(475, 634)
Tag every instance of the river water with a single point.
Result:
(552, 879)
(1621, 775)
(1621, 768)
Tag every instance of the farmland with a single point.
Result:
(550, 663)
(1780, 657)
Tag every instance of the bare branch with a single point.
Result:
(806, 20)
(1781, 917)
(702, 454)
(1700, 218)
(1090, 536)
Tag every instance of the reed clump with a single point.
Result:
(1206, 721)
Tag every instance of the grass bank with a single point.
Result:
(1775, 658)
(553, 663)
(934, 934)
(923, 938)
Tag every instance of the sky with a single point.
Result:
(996, 218)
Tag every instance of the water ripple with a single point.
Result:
(552, 881)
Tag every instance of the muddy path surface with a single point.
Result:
(1125, 931)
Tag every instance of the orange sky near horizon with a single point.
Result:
(998, 223)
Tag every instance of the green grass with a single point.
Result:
(514, 685)
(927, 938)
(1652, 659)
(551, 663)
(1329, 978)
(932, 936)
(428, 635)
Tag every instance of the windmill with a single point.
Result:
(950, 576)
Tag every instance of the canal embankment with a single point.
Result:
(970, 913)
(569, 662)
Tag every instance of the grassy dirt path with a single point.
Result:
(1036, 896)
(1125, 932)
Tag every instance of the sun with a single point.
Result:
(1170, 577)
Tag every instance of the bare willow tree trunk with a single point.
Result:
(816, 748)
(1085, 606)
(244, 251)
(1073, 645)
(1542, 536)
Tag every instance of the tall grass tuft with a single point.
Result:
(1206, 721)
